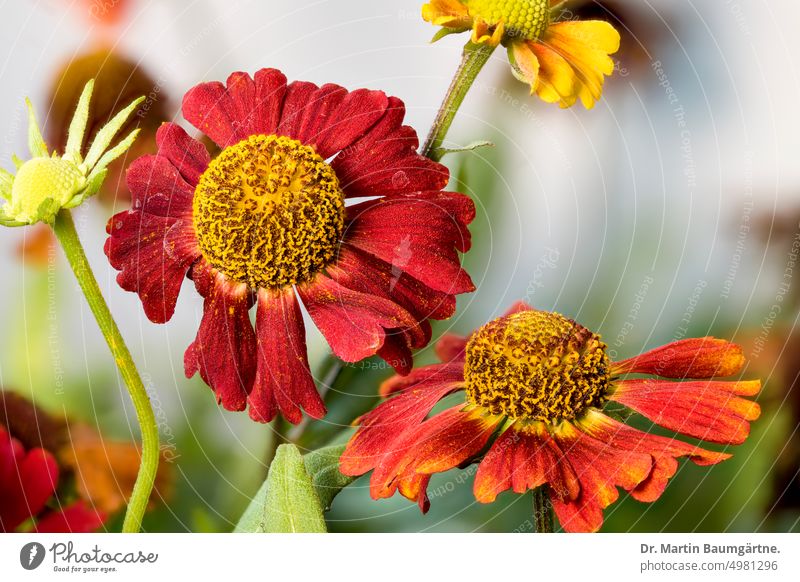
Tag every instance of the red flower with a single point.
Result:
(268, 217)
(535, 385)
(28, 480)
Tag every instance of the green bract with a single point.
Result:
(48, 182)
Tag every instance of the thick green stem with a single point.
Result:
(542, 511)
(64, 228)
(472, 61)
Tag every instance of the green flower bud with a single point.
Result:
(47, 183)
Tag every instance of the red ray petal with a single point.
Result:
(663, 450)
(152, 253)
(600, 468)
(451, 347)
(523, 458)
(224, 351)
(210, 108)
(158, 188)
(270, 94)
(437, 373)
(298, 97)
(387, 422)
(355, 114)
(188, 155)
(283, 380)
(385, 161)
(439, 444)
(314, 115)
(427, 230)
(361, 271)
(355, 324)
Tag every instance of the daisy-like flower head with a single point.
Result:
(535, 385)
(270, 218)
(48, 182)
(28, 481)
(561, 61)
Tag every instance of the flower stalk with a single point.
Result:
(542, 511)
(474, 57)
(64, 228)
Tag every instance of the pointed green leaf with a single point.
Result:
(323, 467)
(35, 140)
(6, 183)
(77, 127)
(106, 135)
(287, 501)
(116, 151)
(467, 148)
(47, 210)
(18, 163)
(443, 32)
(7, 220)
(93, 184)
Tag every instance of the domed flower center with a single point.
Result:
(525, 18)
(268, 212)
(535, 365)
(40, 179)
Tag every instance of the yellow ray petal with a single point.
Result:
(586, 46)
(447, 13)
(557, 82)
(484, 33)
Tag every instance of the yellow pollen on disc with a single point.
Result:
(268, 212)
(536, 365)
(525, 18)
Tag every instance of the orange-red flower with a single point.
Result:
(28, 481)
(270, 218)
(536, 384)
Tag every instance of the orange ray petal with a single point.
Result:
(706, 410)
(704, 357)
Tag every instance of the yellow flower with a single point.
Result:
(561, 61)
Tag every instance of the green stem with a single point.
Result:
(280, 428)
(542, 511)
(333, 367)
(472, 61)
(64, 228)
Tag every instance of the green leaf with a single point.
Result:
(93, 184)
(116, 151)
(77, 127)
(323, 467)
(252, 520)
(287, 501)
(7, 220)
(104, 137)
(444, 31)
(35, 140)
(6, 183)
(467, 148)
(47, 210)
